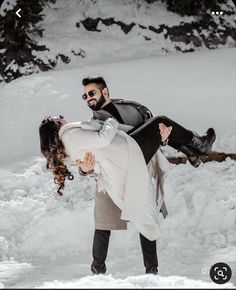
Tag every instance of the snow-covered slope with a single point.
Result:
(45, 237)
(104, 31)
(197, 90)
(78, 33)
(107, 31)
(133, 282)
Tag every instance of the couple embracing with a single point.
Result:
(119, 148)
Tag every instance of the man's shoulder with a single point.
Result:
(127, 103)
(131, 104)
(118, 101)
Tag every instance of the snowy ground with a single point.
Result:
(45, 240)
(50, 238)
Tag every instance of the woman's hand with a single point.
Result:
(88, 163)
(164, 131)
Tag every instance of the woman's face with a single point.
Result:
(61, 120)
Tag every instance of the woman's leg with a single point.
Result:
(185, 139)
(179, 134)
(149, 139)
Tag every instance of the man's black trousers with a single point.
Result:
(100, 248)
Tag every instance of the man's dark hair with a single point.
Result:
(94, 80)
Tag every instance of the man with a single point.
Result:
(107, 214)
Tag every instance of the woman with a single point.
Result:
(120, 161)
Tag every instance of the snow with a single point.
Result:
(206, 79)
(131, 282)
(111, 43)
(46, 240)
(7, 5)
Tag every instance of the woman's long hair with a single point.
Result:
(54, 151)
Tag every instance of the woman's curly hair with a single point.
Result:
(54, 151)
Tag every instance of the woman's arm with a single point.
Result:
(79, 138)
(124, 127)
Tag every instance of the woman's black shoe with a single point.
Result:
(191, 155)
(203, 144)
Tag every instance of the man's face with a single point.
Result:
(94, 97)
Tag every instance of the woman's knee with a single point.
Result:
(163, 119)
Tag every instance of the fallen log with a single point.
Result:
(213, 156)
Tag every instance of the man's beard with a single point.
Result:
(98, 104)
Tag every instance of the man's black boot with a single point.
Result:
(152, 270)
(191, 155)
(203, 144)
(99, 269)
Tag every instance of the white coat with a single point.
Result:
(122, 171)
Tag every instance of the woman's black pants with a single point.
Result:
(149, 138)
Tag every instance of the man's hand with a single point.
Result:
(88, 163)
(164, 131)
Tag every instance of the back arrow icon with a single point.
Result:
(18, 12)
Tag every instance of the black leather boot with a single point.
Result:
(203, 144)
(102, 269)
(191, 155)
(152, 270)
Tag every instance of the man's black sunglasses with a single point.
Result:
(90, 94)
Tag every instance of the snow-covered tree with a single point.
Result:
(193, 7)
(18, 46)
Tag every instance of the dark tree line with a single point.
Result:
(194, 7)
(191, 7)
